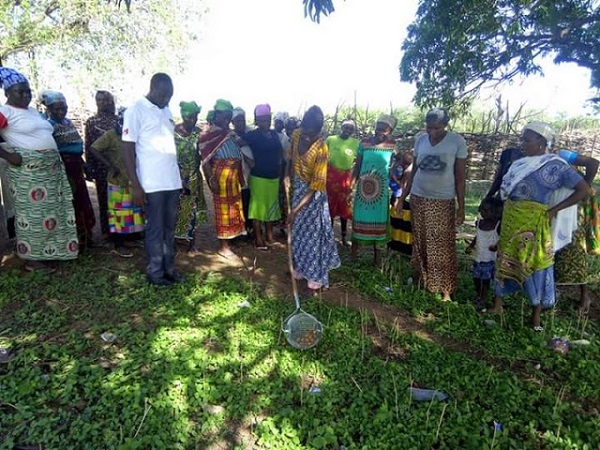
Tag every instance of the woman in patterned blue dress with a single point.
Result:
(314, 252)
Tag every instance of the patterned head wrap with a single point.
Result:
(262, 110)
(543, 129)
(223, 105)
(349, 122)
(238, 112)
(188, 109)
(388, 120)
(9, 77)
(282, 115)
(50, 97)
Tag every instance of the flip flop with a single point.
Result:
(46, 270)
(538, 328)
(262, 248)
(124, 252)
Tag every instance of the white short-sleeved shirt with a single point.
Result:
(434, 177)
(25, 128)
(151, 129)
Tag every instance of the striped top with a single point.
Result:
(228, 150)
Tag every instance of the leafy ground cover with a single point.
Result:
(192, 369)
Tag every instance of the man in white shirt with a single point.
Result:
(151, 160)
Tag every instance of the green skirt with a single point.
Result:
(264, 199)
(525, 245)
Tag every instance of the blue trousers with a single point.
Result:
(161, 218)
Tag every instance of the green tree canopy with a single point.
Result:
(27, 24)
(92, 43)
(454, 47)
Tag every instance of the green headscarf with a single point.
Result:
(210, 116)
(388, 120)
(188, 109)
(223, 105)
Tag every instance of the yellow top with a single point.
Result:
(311, 167)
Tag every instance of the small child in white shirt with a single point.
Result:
(486, 246)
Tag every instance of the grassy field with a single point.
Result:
(192, 369)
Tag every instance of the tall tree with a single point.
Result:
(92, 43)
(454, 47)
(28, 24)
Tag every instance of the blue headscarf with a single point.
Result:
(10, 77)
(49, 97)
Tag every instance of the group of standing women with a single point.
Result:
(299, 160)
(323, 178)
(540, 192)
(433, 180)
(54, 217)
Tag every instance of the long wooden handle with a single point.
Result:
(289, 248)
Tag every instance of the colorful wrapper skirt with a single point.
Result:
(123, 216)
(44, 217)
(525, 254)
(338, 191)
(401, 230)
(229, 214)
(371, 211)
(591, 210)
(192, 208)
(570, 262)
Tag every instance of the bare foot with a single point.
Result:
(227, 254)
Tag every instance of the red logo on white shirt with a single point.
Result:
(126, 131)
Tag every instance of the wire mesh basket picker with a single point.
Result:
(302, 330)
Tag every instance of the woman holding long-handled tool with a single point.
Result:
(314, 252)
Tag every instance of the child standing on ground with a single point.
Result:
(485, 245)
(396, 171)
(400, 219)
